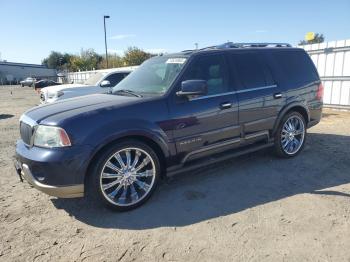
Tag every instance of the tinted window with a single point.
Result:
(296, 66)
(251, 70)
(213, 69)
(115, 78)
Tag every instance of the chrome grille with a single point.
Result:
(26, 132)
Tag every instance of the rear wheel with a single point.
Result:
(125, 175)
(290, 136)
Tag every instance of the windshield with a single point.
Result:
(153, 77)
(94, 79)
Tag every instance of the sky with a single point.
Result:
(30, 29)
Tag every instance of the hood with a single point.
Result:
(54, 89)
(84, 89)
(54, 113)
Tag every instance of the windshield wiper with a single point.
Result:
(126, 91)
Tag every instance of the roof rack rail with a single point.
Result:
(200, 49)
(244, 45)
(240, 45)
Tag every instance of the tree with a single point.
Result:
(87, 60)
(135, 56)
(113, 62)
(57, 60)
(319, 38)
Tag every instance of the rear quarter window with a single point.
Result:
(296, 66)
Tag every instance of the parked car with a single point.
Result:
(29, 81)
(100, 83)
(44, 83)
(174, 113)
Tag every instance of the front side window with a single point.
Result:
(154, 76)
(211, 68)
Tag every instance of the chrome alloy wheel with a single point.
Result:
(127, 176)
(292, 135)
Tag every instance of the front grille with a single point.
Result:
(26, 132)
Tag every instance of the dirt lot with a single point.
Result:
(252, 208)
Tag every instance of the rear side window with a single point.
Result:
(296, 66)
(251, 69)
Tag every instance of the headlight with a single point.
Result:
(51, 136)
(56, 94)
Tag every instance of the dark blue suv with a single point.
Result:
(174, 113)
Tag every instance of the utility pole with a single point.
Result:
(104, 25)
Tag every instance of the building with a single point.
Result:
(11, 73)
(332, 60)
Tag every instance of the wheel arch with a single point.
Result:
(297, 107)
(158, 148)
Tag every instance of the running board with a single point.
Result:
(206, 161)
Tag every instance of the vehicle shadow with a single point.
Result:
(5, 116)
(230, 187)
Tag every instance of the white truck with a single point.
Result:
(101, 82)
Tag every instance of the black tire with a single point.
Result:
(96, 193)
(279, 149)
(22, 85)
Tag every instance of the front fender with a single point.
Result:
(105, 135)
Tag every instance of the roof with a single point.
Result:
(22, 65)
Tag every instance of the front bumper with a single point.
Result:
(58, 172)
(24, 172)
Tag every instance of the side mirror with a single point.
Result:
(193, 88)
(105, 83)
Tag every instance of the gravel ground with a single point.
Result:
(252, 208)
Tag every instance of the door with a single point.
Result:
(205, 124)
(258, 94)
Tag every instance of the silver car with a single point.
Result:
(29, 81)
(98, 83)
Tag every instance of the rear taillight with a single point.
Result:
(320, 91)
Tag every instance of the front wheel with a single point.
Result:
(125, 175)
(290, 136)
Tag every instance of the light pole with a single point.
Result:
(104, 24)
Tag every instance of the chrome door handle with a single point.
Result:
(225, 105)
(277, 95)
